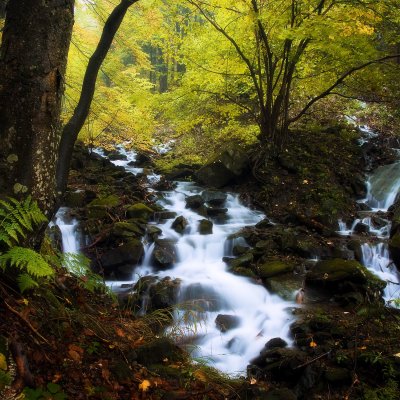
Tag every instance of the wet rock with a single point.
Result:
(284, 285)
(215, 211)
(116, 155)
(361, 228)
(224, 169)
(394, 249)
(239, 250)
(243, 261)
(194, 202)
(243, 271)
(214, 198)
(164, 253)
(163, 215)
(226, 322)
(345, 276)
(359, 186)
(153, 293)
(264, 224)
(126, 230)
(97, 211)
(142, 159)
(139, 210)
(180, 224)
(179, 173)
(153, 232)
(275, 343)
(129, 254)
(273, 268)
(205, 227)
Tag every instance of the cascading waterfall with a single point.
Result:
(383, 187)
(206, 283)
(209, 289)
(69, 233)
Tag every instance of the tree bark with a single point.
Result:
(33, 59)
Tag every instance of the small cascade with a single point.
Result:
(210, 291)
(383, 187)
(70, 236)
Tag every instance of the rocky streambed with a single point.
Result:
(340, 332)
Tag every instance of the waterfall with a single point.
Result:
(70, 237)
(383, 187)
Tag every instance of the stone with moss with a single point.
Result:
(205, 227)
(126, 230)
(394, 248)
(108, 201)
(139, 210)
(273, 268)
(97, 211)
(242, 271)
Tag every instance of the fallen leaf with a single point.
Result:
(313, 344)
(74, 355)
(144, 386)
(253, 381)
(120, 332)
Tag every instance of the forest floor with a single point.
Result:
(65, 342)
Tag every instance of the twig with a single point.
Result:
(313, 360)
(27, 322)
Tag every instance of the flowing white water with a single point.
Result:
(207, 287)
(69, 232)
(383, 188)
(206, 282)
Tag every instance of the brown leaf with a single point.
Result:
(74, 355)
(120, 332)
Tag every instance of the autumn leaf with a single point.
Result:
(144, 386)
(312, 343)
(120, 332)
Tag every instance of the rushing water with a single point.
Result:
(208, 288)
(383, 188)
(68, 226)
(206, 281)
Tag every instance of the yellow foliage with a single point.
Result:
(144, 385)
(3, 362)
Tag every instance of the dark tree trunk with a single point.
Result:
(74, 125)
(33, 60)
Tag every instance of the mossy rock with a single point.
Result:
(97, 211)
(75, 199)
(139, 210)
(126, 230)
(242, 271)
(346, 276)
(284, 285)
(205, 227)
(109, 201)
(273, 268)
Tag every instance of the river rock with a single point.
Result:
(273, 268)
(243, 261)
(163, 215)
(153, 232)
(116, 155)
(346, 276)
(164, 253)
(205, 227)
(280, 394)
(275, 343)
(238, 250)
(216, 211)
(361, 228)
(224, 168)
(394, 249)
(142, 159)
(129, 254)
(139, 210)
(226, 322)
(194, 202)
(180, 224)
(126, 230)
(214, 198)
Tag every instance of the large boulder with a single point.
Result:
(194, 202)
(214, 198)
(122, 260)
(139, 210)
(164, 253)
(344, 277)
(224, 168)
(205, 227)
(273, 268)
(180, 224)
(225, 322)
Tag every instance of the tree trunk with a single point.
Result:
(33, 60)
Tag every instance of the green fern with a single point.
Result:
(16, 220)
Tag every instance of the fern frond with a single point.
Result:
(17, 218)
(28, 259)
(26, 282)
